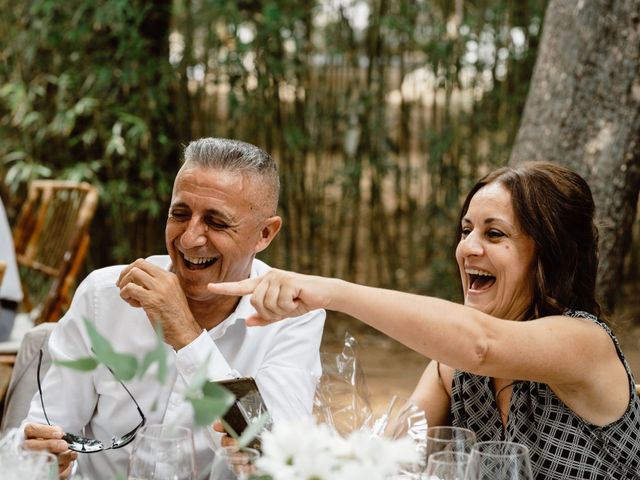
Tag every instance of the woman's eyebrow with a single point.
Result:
(488, 221)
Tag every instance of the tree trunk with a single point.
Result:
(583, 111)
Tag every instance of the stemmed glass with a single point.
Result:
(20, 464)
(499, 461)
(162, 452)
(403, 418)
(446, 465)
(234, 463)
(29, 464)
(449, 439)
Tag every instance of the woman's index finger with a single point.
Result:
(243, 287)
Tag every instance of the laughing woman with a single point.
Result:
(528, 357)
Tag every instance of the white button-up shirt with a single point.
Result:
(283, 358)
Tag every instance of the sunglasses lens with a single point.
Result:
(82, 444)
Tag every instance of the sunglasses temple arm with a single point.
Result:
(132, 398)
(40, 390)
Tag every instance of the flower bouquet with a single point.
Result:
(309, 451)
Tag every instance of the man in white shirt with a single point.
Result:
(222, 213)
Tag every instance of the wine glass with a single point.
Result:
(449, 439)
(446, 465)
(402, 418)
(29, 464)
(162, 452)
(234, 463)
(499, 461)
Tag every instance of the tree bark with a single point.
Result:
(583, 111)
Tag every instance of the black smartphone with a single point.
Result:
(248, 406)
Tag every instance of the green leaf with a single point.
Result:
(123, 365)
(253, 430)
(85, 364)
(99, 344)
(158, 354)
(229, 429)
(208, 409)
(214, 390)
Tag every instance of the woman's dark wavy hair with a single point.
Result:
(555, 208)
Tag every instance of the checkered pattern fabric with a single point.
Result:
(562, 445)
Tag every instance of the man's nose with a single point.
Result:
(194, 235)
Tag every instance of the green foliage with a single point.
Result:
(157, 355)
(380, 115)
(123, 365)
(209, 400)
(251, 431)
(86, 364)
(86, 94)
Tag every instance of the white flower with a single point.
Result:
(307, 451)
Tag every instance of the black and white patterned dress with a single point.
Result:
(562, 445)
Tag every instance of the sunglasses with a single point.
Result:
(81, 444)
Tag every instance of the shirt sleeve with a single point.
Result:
(288, 377)
(203, 350)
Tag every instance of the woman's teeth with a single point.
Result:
(471, 271)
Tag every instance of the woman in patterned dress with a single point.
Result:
(528, 357)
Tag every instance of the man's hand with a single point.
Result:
(49, 438)
(158, 292)
(226, 440)
(279, 294)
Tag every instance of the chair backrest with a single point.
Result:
(3, 267)
(23, 384)
(51, 240)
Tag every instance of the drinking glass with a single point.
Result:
(234, 463)
(446, 465)
(449, 439)
(29, 464)
(499, 461)
(402, 418)
(162, 452)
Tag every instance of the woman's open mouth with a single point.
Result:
(480, 280)
(198, 263)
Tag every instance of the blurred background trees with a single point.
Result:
(380, 113)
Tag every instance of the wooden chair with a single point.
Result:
(51, 240)
(3, 267)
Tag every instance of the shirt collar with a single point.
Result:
(243, 310)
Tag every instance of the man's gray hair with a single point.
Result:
(232, 155)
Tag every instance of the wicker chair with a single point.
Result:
(51, 240)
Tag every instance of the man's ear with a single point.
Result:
(268, 231)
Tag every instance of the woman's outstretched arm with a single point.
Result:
(572, 354)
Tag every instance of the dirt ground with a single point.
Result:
(392, 369)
